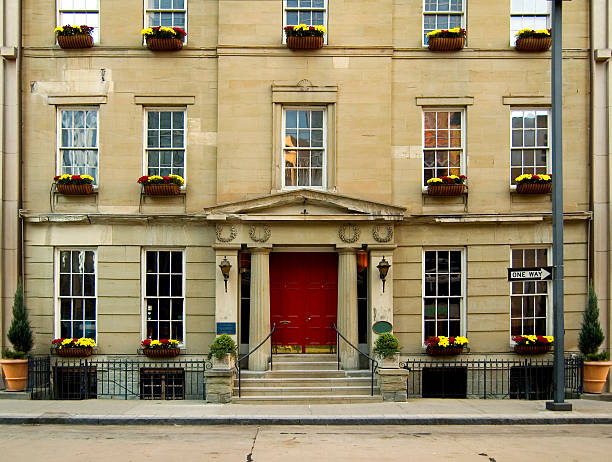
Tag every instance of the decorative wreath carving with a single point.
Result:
(385, 238)
(266, 234)
(349, 239)
(230, 238)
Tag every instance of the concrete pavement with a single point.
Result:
(413, 412)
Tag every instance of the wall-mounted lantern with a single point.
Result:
(383, 269)
(225, 267)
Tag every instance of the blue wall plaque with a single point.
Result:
(226, 328)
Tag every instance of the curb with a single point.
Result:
(284, 420)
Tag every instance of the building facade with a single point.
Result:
(304, 170)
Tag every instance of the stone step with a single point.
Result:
(304, 366)
(304, 374)
(321, 399)
(305, 391)
(306, 382)
(308, 357)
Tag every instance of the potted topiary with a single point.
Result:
(15, 362)
(223, 352)
(387, 348)
(596, 365)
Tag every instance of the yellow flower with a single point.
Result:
(147, 31)
(155, 343)
(178, 178)
(542, 31)
(59, 29)
(434, 180)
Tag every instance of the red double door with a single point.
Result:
(303, 301)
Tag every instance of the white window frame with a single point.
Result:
(463, 159)
(60, 11)
(323, 108)
(535, 148)
(549, 309)
(60, 148)
(528, 14)
(325, 10)
(438, 12)
(463, 308)
(56, 291)
(148, 10)
(145, 157)
(143, 290)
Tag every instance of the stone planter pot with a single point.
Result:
(389, 362)
(225, 363)
(75, 41)
(533, 44)
(446, 43)
(74, 352)
(534, 188)
(445, 189)
(161, 352)
(15, 374)
(74, 189)
(433, 350)
(171, 189)
(304, 43)
(535, 349)
(164, 44)
(595, 374)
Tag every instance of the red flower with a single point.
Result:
(166, 178)
(164, 341)
(451, 340)
(76, 177)
(143, 179)
(179, 30)
(146, 342)
(57, 340)
(56, 177)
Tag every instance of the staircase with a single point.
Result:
(305, 379)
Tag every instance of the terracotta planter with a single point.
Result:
(595, 374)
(74, 189)
(225, 363)
(171, 189)
(15, 374)
(304, 43)
(75, 41)
(79, 352)
(441, 351)
(389, 363)
(161, 352)
(445, 189)
(446, 43)
(534, 188)
(535, 349)
(164, 44)
(533, 44)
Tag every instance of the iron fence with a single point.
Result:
(53, 378)
(490, 378)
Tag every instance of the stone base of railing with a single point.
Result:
(219, 385)
(392, 384)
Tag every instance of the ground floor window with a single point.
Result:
(529, 299)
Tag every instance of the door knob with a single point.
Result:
(308, 319)
(284, 322)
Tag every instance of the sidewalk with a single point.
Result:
(413, 412)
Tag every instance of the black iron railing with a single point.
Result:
(246, 356)
(490, 378)
(373, 363)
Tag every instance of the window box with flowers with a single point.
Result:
(303, 37)
(445, 346)
(73, 347)
(533, 184)
(452, 185)
(532, 344)
(155, 185)
(74, 185)
(163, 348)
(74, 36)
(164, 38)
(446, 39)
(533, 40)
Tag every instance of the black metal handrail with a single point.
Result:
(237, 366)
(373, 362)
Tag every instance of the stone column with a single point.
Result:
(259, 322)
(347, 306)
(226, 302)
(381, 303)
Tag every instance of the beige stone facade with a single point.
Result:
(234, 78)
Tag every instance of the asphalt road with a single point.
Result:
(67, 443)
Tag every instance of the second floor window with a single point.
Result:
(78, 142)
(80, 13)
(309, 12)
(165, 143)
(530, 147)
(166, 13)
(304, 147)
(443, 148)
(529, 14)
(442, 14)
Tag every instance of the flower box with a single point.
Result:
(76, 185)
(73, 347)
(445, 346)
(163, 348)
(536, 349)
(74, 352)
(432, 350)
(533, 40)
(303, 37)
(74, 36)
(452, 185)
(533, 184)
(164, 38)
(155, 185)
(446, 39)
(532, 344)
(304, 43)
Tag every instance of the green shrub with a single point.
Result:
(591, 334)
(19, 333)
(386, 345)
(222, 345)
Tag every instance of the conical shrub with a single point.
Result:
(591, 334)
(20, 333)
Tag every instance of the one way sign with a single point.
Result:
(543, 273)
